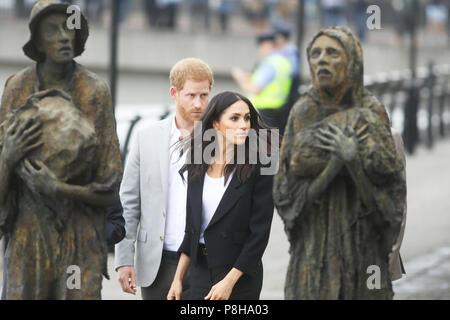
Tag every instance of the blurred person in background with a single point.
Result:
(94, 10)
(124, 6)
(258, 12)
(437, 15)
(21, 9)
(359, 13)
(270, 83)
(334, 13)
(448, 21)
(200, 13)
(224, 9)
(405, 18)
(162, 13)
(400, 22)
(168, 12)
(290, 51)
(152, 12)
(283, 11)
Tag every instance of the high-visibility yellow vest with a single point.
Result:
(276, 93)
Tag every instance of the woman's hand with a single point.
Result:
(39, 178)
(175, 290)
(177, 284)
(223, 289)
(19, 140)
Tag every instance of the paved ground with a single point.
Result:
(428, 277)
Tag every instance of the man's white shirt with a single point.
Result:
(176, 196)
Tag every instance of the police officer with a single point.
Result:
(270, 83)
(290, 51)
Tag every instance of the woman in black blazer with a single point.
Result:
(229, 203)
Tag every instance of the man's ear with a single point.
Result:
(173, 92)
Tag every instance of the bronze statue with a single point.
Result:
(340, 190)
(60, 165)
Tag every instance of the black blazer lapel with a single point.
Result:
(195, 195)
(233, 193)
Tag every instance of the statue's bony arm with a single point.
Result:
(40, 179)
(345, 152)
(364, 186)
(355, 167)
(323, 180)
(19, 139)
(87, 194)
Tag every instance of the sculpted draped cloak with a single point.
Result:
(50, 236)
(339, 246)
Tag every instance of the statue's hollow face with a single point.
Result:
(55, 40)
(328, 62)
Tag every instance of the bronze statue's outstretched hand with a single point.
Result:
(19, 140)
(38, 177)
(340, 144)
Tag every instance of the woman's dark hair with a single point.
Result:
(196, 143)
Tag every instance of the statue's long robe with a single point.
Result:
(49, 236)
(337, 243)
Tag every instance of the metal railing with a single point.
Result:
(127, 125)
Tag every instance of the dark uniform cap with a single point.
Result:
(42, 8)
(282, 29)
(267, 36)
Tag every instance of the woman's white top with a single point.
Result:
(213, 191)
